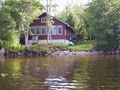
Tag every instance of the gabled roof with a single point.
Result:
(58, 20)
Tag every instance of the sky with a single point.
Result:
(62, 3)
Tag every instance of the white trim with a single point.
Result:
(55, 30)
(52, 41)
(36, 30)
(60, 26)
(32, 28)
(41, 30)
(43, 20)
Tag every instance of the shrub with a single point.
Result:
(50, 47)
(17, 48)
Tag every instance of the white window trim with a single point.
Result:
(61, 30)
(41, 30)
(43, 20)
(54, 30)
(33, 29)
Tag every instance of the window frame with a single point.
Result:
(41, 30)
(60, 26)
(54, 31)
(33, 30)
(43, 20)
(36, 30)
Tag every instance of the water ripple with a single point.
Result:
(60, 83)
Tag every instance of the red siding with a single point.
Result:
(44, 37)
(56, 22)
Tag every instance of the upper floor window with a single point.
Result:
(43, 20)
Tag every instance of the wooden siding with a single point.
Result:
(56, 22)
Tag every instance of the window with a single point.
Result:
(37, 30)
(59, 30)
(32, 30)
(43, 20)
(43, 30)
(54, 30)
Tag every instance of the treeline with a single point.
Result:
(15, 18)
(99, 20)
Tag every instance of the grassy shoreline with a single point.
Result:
(44, 49)
(83, 46)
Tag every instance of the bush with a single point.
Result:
(17, 48)
(50, 47)
(38, 49)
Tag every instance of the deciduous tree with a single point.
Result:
(8, 37)
(104, 23)
(23, 12)
(74, 16)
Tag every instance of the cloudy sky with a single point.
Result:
(62, 3)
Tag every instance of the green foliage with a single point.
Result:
(20, 10)
(15, 17)
(8, 37)
(84, 46)
(74, 16)
(50, 47)
(1, 43)
(104, 21)
(18, 48)
(38, 48)
(23, 12)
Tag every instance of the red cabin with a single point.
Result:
(60, 33)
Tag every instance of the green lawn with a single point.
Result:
(84, 46)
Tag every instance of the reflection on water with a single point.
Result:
(60, 70)
(101, 72)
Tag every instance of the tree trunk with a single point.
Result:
(26, 40)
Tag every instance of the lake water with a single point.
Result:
(95, 72)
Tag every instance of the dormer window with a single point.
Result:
(43, 20)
